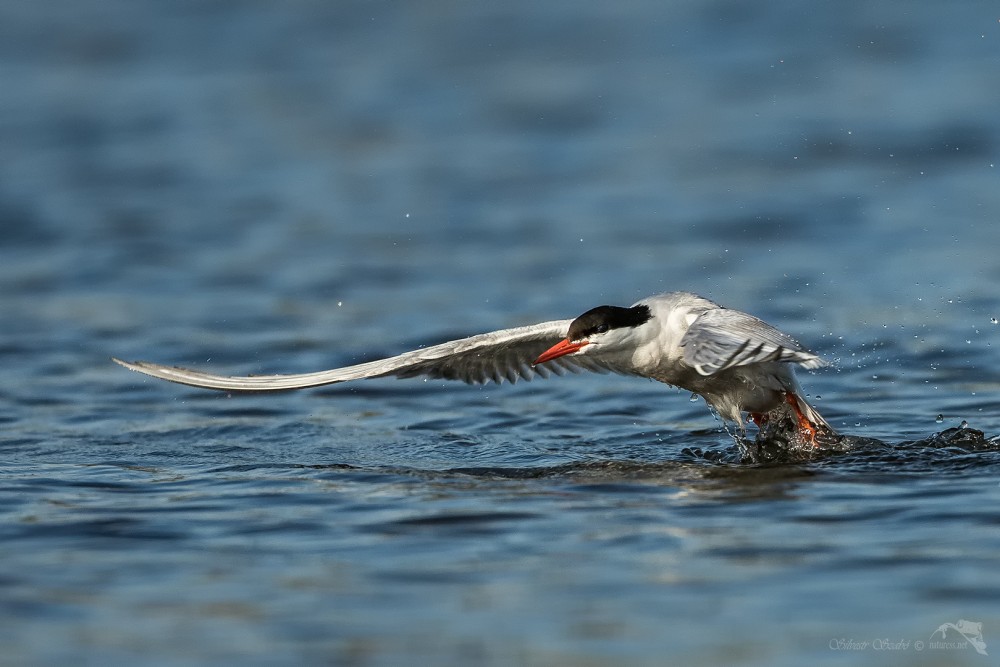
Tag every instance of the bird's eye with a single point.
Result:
(602, 328)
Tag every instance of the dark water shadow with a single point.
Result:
(737, 473)
(955, 448)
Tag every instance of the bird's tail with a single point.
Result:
(804, 410)
(812, 428)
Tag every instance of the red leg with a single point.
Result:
(805, 426)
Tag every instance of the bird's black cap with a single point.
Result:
(605, 318)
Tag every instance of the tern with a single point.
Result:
(735, 361)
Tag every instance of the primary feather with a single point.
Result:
(496, 356)
(721, 338)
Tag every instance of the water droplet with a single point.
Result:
(939, 419)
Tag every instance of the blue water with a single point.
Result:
(287, 187)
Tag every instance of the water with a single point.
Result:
(256, 188)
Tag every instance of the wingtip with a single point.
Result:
(131, 365)
(137, 366)
(815, 362)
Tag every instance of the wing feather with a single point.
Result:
(720, 339)
(500, 355)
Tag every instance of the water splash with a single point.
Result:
(781, 440)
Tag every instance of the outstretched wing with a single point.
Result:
(497, 356)
(720, 339)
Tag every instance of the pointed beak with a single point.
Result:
(560, 349)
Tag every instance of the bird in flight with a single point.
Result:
(735, 361)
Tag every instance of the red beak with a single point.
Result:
(560, 349)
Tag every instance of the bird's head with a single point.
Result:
(602, 328)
